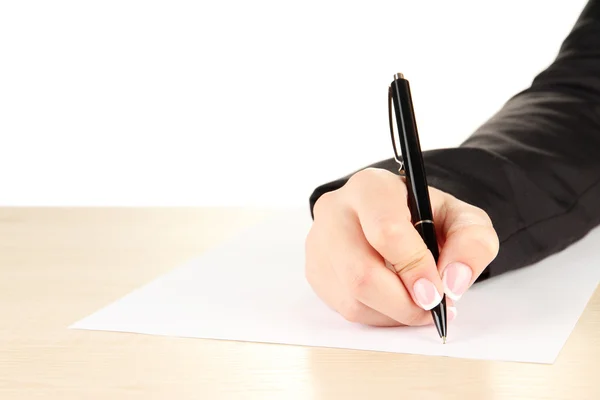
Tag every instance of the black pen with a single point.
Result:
(413, 169)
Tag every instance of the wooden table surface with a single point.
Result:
(58, 265)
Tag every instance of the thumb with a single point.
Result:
(470, 244)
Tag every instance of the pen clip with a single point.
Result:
(397, 156)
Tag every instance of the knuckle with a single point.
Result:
(361, 281)
(324, 203)
(414, 262)
(484, 239)
(351, 310)
(471, 216)
(488, 239)
(482, 216)
(386, 231)
(366, 176)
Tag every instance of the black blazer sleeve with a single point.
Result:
(535, 165)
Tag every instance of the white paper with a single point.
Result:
(253, 288)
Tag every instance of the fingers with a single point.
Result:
(367, 290)
(327, 286)
(379, 199)
(470, 245)
(365, 259)
(376, 286)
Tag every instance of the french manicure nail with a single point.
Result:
(452, 312)
(456, 279)
(426, 294)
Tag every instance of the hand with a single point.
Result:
(360, 226)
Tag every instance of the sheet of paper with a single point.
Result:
(252, 288)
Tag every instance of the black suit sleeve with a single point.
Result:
(534, 167)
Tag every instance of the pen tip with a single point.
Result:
(444, 339)
(399, 75)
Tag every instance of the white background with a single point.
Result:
(244, 102)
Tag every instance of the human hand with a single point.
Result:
(367, 222)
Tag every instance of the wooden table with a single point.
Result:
(59, 265)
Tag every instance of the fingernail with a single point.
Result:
(426, 294)
(456, 279)
(452, 312)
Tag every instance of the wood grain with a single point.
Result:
(59, 265)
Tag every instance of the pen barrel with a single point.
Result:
(413, 164)
(427, 232)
